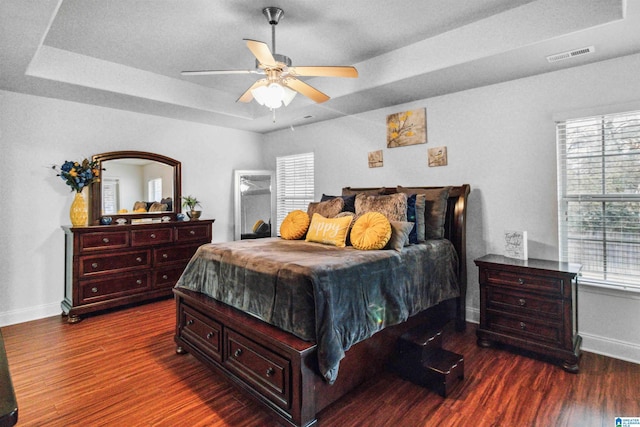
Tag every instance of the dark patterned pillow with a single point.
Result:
(393, 206)
(328, 209)
(349, 202)
(435, 209)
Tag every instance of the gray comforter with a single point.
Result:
(336, 297)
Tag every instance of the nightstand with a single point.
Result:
(531, 304)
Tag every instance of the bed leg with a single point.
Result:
(461, 323)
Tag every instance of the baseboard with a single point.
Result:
(617, 349)
(31, 313)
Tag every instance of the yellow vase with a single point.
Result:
(78, 212)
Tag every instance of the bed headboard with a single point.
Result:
(455, 229)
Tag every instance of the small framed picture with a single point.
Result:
(515, 245)
(375, 159)
(437, 156)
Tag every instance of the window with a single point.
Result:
(599, 198)
(294, 184)
(155, 189)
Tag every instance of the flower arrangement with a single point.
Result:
(78, 175)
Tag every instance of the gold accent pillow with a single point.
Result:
(393, 206)
(371, 231)
(330, 231)
(328, 209)
(295, 225)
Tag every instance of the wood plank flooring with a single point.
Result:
(121, 369)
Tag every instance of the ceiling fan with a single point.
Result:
(280, 84)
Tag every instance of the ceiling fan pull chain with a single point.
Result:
(274, 114)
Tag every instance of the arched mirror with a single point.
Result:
(255, 204)
(135, 184)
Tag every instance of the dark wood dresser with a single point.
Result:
(530, 304)
(113, 265)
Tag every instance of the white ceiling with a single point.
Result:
(128, 54)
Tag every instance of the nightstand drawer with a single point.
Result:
(528, 282)
(523, 303)
(523, 327)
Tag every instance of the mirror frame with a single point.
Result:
(238, 206)
(95, 190)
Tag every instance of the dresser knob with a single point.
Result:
(522, 302)
(94, 265)
(270, 371)
(523, 326)
(189, 322)
(139, 282)
(192, 232)
(238, 352)
(521, 281)
(94, 290)
(165, 277)
(105, 240)
(153, 236)
(139, 259)
(165, 256)
(210, 335)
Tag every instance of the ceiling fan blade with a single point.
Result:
(337, 71)
(262, 52)
(213, 72)
(305, 89)
(248, 96)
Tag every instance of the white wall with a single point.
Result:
(501, 140)
(37, 132)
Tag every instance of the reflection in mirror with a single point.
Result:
(255, 204)
(133, 185)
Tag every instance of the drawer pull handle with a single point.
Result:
(94, 290)
(270, 371)
(522, 302)
(238, 352)
(94, 265)
(165, 277)
(189, 322)
(521, 281)
(105, 240)
(139, 259)
(165, 256)
(153, 236)
(210, 335)
(139, 282)
(192, 232)
(523, 326)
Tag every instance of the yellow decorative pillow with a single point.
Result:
(294, 225)
(330, 231)
(371, 231)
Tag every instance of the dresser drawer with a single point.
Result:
(151, 237)
(200, 232)
(204, 332)
(266, 371)
(524, 327)
(518, 302)
(528, 282)
(96, 264)
(167, 277)
(113, 287)
(171, 255)
(104, 240)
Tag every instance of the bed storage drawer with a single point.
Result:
(266, 371)
(204, 332)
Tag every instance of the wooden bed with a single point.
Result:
(279, 370)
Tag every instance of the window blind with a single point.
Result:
(294, 183)
(599, 197)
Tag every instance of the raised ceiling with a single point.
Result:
(128, 54)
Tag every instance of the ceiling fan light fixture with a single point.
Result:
(273, 96)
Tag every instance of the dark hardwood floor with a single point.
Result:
(121, 369)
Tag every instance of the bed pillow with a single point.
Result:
(435, 209)
(328, 209)
(393, 206)
(371, 231)
(399, 234)
(349, 202)
(330, 231)
(295, 225)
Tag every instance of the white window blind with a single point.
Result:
(294, 183)
(154, 190)
(599, 198)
